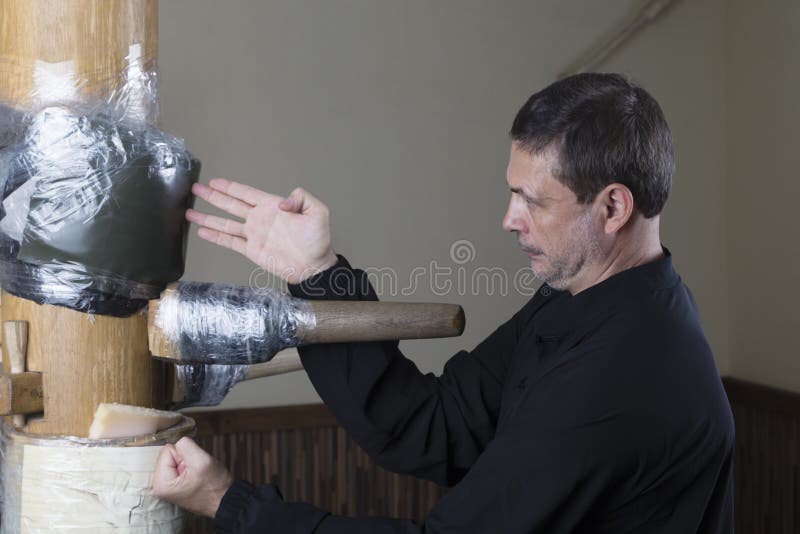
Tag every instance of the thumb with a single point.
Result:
(166, 472)
(298, 201)
(190, 452)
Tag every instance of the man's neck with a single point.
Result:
(641, 244)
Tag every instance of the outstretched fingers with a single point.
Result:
(245, 193)
(215, 223)
(232, 242)
(221, 200)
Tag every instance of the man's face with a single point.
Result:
(559, 235)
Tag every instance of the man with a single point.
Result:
(596, 408)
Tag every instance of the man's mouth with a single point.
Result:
(532, 251)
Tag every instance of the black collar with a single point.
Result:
(567, 312)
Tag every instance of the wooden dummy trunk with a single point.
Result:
(84, 360)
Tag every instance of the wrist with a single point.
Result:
(323, 265)
(233, 502)
(328, 261)
(217, 495)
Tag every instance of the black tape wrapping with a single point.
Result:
(231, 325)
(206, 384)
(93, 208)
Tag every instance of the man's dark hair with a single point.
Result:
(606, 129)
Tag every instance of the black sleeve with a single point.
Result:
(246, 509)
(432, 427)
(527, 480)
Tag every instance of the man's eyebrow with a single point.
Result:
(535, 199)
(519, 191)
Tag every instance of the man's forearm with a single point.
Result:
(246, 509)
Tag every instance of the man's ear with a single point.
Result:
(616, 203)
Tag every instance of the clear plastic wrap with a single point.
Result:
(68, 484)
(231, 325)
(93, 193)
(206, 384)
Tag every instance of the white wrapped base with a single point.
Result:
(83, 486)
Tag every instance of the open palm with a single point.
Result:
(289, 237)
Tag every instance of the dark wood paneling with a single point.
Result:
(767, 463)
(762, 398)
(310, 458)
(302, 449)
(223, 422)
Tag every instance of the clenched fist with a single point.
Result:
(289, 237)
(189, 477)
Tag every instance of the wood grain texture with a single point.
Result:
(242, 421)
(767, 461)
(310, 458)
(21, 393)
(15, 349)
(342, 321)
(334, 322)
(304, 451)
(86, 360)
(95, 35)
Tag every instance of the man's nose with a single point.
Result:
(511, 220)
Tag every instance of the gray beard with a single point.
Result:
(583, 248)
(560, 275)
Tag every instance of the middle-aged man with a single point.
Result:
(596, 408)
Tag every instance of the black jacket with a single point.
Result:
(601, 412)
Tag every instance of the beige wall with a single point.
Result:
(763, 68)
(680, 60)
(396, 114)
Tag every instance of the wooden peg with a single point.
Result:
(15, 334)
(21, 393)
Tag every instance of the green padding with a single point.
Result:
(120, 215)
